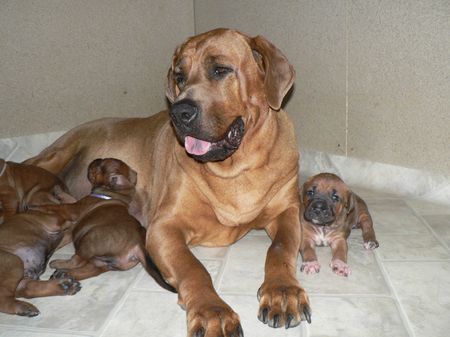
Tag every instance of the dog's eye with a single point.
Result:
(219, 72)
(335, 198)
(310, 193)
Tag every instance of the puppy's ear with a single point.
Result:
(351, 202)
(95, 172)
(279, 73)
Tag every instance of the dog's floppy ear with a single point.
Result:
(95, 172)
(351, 202)
(170, 86)
(279, 73)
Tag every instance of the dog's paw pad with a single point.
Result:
(70, 286)
(340, 268)
(371, 245)
(310, 267)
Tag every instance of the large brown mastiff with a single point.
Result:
(221, 162)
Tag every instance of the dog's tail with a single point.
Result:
(154, 272)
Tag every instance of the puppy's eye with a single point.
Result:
(335, 198)
(310, 193)
(219, 72)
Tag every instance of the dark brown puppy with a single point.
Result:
(221, 162)
(27, 240)
(22, 185)
(106, 237)
(330, 211)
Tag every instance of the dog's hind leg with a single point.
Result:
(11, 272)
(86, 271)
(75, 261)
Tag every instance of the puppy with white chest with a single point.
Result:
(330, 210)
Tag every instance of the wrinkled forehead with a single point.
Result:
(328, 185)
(213, 47)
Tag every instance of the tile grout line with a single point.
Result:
(219, 277)
(118, 306)
(427, 225)
(404, 317)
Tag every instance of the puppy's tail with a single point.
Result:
(154, 272)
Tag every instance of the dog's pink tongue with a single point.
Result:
(196, 146)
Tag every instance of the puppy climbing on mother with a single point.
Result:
(222, 161)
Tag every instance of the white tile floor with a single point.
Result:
(400, 289)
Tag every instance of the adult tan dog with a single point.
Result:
(330, 211)
(221, 162)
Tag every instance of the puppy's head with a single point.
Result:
(112, 174)
(326, 199)
(221, 85)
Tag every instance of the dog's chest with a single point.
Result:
(321, 237)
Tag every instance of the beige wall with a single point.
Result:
(63, 62)
(373, 77)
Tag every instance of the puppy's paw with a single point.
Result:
(340, 268)
(371, 244)
(26, 309)
(283, 305)
(69, 285)
(310, 267)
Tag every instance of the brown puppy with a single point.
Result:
(330, 211)
(27, 240)
(222, 161)
(22, 185)
(106, 237)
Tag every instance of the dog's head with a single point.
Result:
(326, 199)
(112, 174)
(221, 84)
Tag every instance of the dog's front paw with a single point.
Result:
(310, 267)
(340, 267)
(283, 305)
(371, 244)
(69, 285)
(213, 320)
(26, 309)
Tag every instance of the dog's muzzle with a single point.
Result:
(198, 144)
(320, 211)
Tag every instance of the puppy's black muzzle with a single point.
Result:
(184, 114)
(320, 211)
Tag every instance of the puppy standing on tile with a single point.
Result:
(330, 210)
(106, 237)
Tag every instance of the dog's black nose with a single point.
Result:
(184, 113)
(319, 205)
